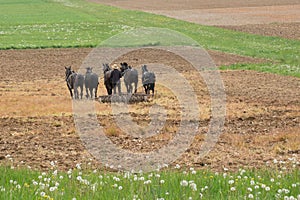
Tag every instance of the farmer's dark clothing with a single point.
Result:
(115, 79)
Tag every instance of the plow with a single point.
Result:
(124, 98)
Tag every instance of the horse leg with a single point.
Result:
(145, 88)
(130, 88)
(87, 92)
(91, 92)
(75, 92)
(71, 93)
(135, 87)
(70, 90)
(81, 91)
(152, 88)
(107, 89)
(127, 88)
(96, 91)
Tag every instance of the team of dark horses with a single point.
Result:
(90, 80)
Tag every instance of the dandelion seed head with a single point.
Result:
(184, 183)
(193, 186)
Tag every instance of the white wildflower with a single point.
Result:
(78, 166)
(184, 183)
(193, 186)
(200, 195)
(52, 163)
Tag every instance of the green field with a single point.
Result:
(69, 24)
(58, 23)
(166, 184)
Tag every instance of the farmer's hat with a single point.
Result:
(115, 66)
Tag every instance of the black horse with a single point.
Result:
(130, 77)
(91, 82)
(107, 78)
(74, 80)
(148, 80)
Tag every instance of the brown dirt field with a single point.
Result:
(284, 30)
(271, 18)
(36, 124)
(262, 110)
(192, 4)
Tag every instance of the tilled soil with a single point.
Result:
(284, 30)
(37, 126)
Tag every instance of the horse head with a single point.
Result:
(68, 72)
(124, 67)
(105, 67)
(89, 70)
(144, 68)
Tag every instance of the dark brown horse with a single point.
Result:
(107, 78)
(74, 80)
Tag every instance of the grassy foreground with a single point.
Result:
(280, 180)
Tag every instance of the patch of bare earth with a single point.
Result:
(284, 30)
(36, 123)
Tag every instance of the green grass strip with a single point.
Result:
(168, 184)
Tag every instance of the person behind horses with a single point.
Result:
(115, 78)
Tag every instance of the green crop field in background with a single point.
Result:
(77, 23)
